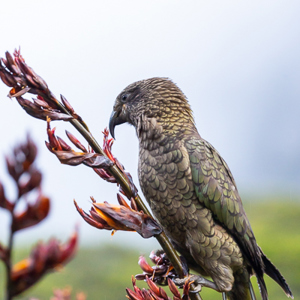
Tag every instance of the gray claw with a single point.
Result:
(198, 280)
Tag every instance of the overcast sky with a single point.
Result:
(237, 62)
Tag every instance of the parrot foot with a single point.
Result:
(198, 281)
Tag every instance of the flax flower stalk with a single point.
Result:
(15, 73)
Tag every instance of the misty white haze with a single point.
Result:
(237, 62)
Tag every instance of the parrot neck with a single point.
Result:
(153, 131)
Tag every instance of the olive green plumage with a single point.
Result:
(191, 190)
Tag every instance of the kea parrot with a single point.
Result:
(191, 190)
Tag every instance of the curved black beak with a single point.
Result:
(116, 118)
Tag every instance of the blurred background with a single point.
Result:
(237, 62)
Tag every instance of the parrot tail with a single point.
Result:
(242, 287)
(274, 273)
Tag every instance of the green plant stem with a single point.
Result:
(8, 263)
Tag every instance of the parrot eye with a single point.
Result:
(124, 97)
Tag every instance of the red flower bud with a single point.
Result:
(145, 266)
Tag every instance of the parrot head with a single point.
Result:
(156, 98)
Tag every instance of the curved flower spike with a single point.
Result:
(39, 110)
(43, 258)
(160, 272)
(119, 217)
(68, 156)
(154, 292)
(107, 144)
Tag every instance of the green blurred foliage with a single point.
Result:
(104, 273)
